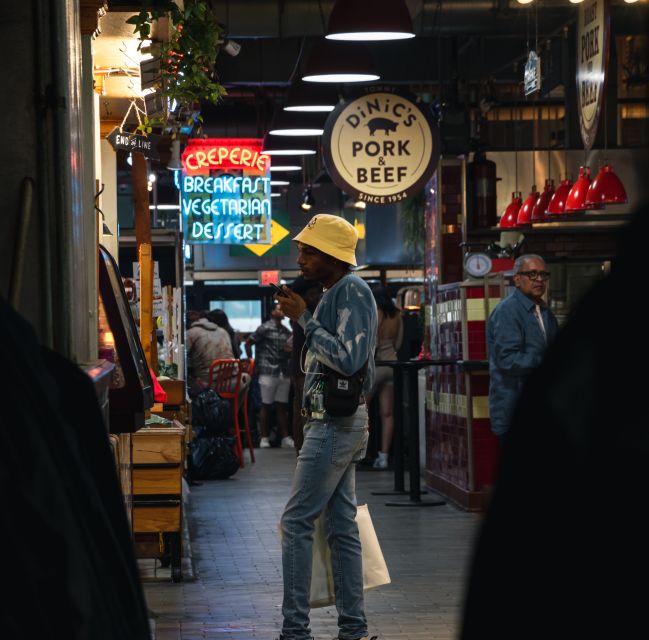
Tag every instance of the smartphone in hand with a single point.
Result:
(278, 290)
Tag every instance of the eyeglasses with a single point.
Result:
(535, 275)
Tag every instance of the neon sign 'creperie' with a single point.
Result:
(225, 157)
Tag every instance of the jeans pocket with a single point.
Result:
(349, 445)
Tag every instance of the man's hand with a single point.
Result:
(291, 303)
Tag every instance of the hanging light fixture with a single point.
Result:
(379, 20)
(576, 200)
(282, 146)
(311, 98)
(308, 201)
(606, 188)
(557, 203)
(540, 208)
(300, 124)
(525, 212)
(509, 218)
(285, 167)
(340, 62)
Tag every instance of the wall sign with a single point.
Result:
(593, 36)
(381, 147)
(225, 192)
(146, 145)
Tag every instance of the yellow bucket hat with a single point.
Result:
(332, 235)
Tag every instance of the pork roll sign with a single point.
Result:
(381, 147)
(593, 37)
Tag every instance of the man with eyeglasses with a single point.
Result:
(518, 331)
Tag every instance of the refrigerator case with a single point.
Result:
(132, 394)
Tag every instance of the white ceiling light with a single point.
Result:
(286, 167)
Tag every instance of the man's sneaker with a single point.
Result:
(264, 443)
(287, 443)
(381, 461)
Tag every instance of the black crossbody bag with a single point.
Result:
(341, 394)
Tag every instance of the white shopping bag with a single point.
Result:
(375, 571)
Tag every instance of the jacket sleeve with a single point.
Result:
(348, 349)
(507, 343)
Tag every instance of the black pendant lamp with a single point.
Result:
(360, 20)
(340, 62)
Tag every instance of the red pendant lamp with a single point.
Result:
(606, 188)
(557, 204)
(509, 218)
(540, 208)
(576, 200)
(525, 212)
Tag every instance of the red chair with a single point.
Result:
(247, 366)
(225, 379)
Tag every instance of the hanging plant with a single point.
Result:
(187, 61)
(412, 220)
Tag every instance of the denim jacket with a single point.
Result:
(516, 346)
(341, 333)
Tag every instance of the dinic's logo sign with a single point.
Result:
(593, 35)
(381, 147)
(225, 192)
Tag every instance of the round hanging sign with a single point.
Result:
(593, 35)
(381, 147)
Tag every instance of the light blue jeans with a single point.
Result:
(325, 480)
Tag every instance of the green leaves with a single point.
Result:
(188, 59)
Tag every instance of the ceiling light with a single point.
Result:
(297, 124)
(308, 200)
(279, 183)
(286, 167)
(275, 195)
(311, 98)
(576, 200)
(378, 20)
(340, 62)
(282, 146)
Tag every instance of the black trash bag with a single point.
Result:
(211, 458)
(211, 411)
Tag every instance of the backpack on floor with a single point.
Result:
(211, 457)
(212, 412)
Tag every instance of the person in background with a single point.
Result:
(220, 318)
(563, 545)
(205, 342)
(311, 292)
(518, 331)
(272, 365)
(340, 334)
(390, 337)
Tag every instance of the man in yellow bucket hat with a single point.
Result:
(341, 336)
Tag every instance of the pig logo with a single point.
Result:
(382, 123)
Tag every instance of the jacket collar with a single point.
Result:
(527, 303)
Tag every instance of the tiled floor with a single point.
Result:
(233, 584)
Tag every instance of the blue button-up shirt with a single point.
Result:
(516, 346)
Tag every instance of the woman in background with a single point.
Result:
(390, 336)
(220, 318)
